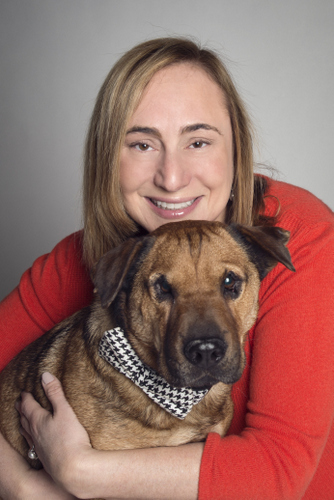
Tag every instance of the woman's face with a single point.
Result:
(177, 158)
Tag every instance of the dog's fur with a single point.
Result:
(184, 284)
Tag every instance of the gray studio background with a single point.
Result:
(54, 55)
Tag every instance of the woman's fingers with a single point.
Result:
(27, 437)
(54, 392)
(25, 430)
(27, 407)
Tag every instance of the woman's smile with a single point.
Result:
(172, 209)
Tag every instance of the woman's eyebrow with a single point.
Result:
(144, 130)
(185, 130)
(197, 126)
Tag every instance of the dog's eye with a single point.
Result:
(163, 288)
(229, 281)
(231, 285)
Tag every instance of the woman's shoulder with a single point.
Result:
(64, 260)
(70, 246)
(295, 207)
(310, 223)
(58, 283)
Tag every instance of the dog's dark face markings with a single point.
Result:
(187, 294)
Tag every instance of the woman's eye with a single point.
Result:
(198, 144)
(141, 146)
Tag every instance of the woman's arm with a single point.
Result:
(65, 451)
(289, 408)
(56, 286)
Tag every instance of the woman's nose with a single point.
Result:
(172, 174)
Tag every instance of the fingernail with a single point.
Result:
(47, 378)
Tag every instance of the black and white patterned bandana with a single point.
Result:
(116, 349)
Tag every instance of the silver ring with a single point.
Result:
(32, 453)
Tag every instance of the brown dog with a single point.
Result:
(185, 295)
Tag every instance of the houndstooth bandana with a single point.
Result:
(116, 349)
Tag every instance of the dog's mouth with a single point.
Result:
(187, 375)
(206, 381)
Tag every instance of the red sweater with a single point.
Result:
(281, 441)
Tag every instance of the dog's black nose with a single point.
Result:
(205, 353)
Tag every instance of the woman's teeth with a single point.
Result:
(173, 206)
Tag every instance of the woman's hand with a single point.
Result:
(60, 440)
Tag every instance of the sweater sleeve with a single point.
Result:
(54, 287)
(290, 404)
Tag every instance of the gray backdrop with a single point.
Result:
(55, 54)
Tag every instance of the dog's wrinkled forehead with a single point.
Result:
(194, 244)
(263, 247)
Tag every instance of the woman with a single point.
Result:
(170, 139)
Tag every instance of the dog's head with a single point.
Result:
(187, 294)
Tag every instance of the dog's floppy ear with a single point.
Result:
(114, 266)
(266, 246)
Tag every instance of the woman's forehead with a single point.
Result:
(182, 89)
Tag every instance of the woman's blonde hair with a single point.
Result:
(106, 223)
